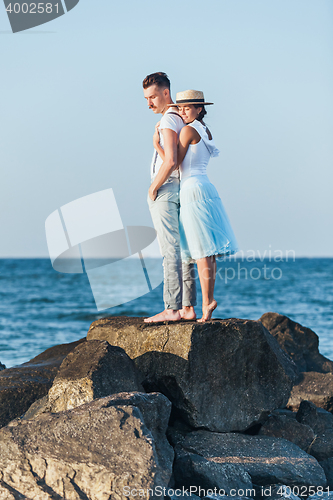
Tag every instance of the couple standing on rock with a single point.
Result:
(187, 212)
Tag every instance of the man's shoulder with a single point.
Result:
(171, 120)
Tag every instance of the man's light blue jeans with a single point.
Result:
(179, 278)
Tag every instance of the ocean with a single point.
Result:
(40, 307)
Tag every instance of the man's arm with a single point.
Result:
(170, 161)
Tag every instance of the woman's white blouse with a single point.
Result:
(198, 155)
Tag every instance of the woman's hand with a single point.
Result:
(152, 192)
(156, 136)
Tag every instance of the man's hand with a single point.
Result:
(152, 192)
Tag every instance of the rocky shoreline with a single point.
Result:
(230, 407)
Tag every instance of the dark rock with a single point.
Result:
(268, 460)
(315, 387)
(22, 385)
(299, 342)
(93, 451)
(284, 411)
(286, 427)
(327, 465)
(177, 432)
(223, 375)
(321, 421)
(92, 370)
(2, 367)
(191, 469)
(317, 418)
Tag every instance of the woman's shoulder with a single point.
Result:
(201, 128)
(189, 134)
(188, 130)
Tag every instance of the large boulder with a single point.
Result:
(315, 387)
(224, 375)
(266, 459)
(287, 427)
(155, 408)
(92, 370)
(299, 342)
(21, 385)
(2, 367)
(99, 450)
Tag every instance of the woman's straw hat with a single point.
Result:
(190, 97)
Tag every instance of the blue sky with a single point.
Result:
(74, 121)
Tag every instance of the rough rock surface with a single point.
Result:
(20, 386)
(287, 427)
(92, 370)
(177, 431)
(268, 460)
(191, 469)
(91, 452)
(327, 465)
(37, 408)
(317, 418)
(155, 409)
(321, 421)
(299, 342)
(223, 375)
(315, 387)
(2, 367)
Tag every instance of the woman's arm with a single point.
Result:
(188, 135)
(169, 163)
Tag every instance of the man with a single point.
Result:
(179, 291)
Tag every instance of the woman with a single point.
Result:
(205, 230)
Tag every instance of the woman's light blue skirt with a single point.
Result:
(204, 225)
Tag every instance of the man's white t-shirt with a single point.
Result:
(174, 122)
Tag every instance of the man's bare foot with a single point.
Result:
(207, 312)
(166, 315)
(188, 313)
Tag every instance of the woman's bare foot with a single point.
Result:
(166, 315)
(188, 313)
(207, 312)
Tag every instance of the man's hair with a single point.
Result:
(160, 79)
